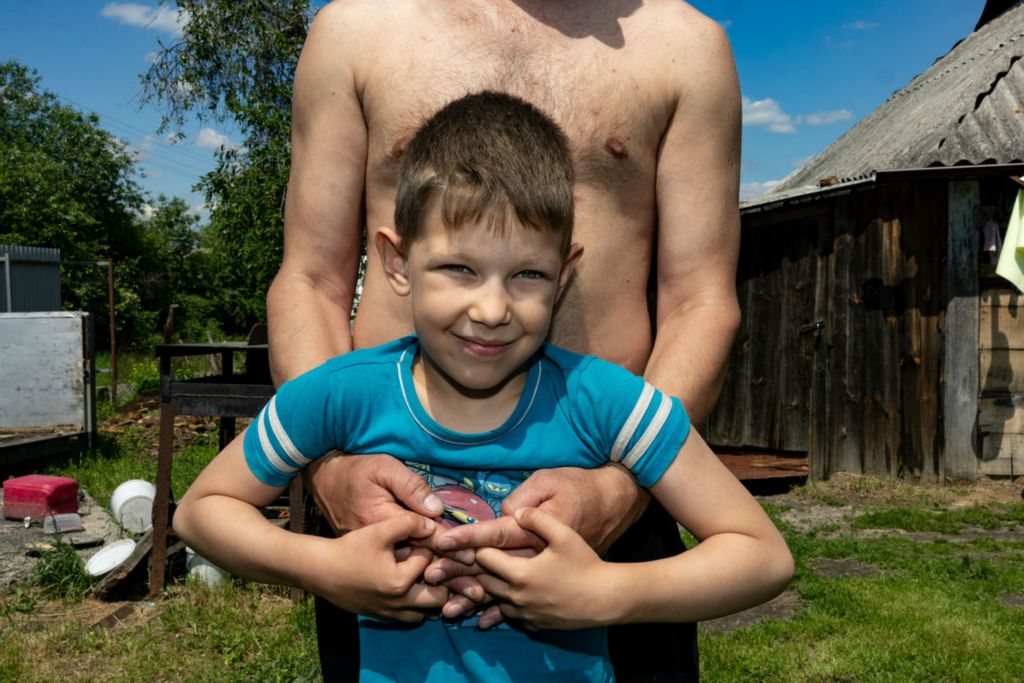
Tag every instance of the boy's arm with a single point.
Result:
(742, 559)
(219, 518)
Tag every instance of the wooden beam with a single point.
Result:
(960, 404)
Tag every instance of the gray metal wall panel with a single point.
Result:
(43, 370)
(34, 277)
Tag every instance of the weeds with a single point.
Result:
(60, 573)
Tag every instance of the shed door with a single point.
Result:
(766, 402)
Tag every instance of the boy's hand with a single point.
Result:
(360, 571)
(599, 504)
(565, 586)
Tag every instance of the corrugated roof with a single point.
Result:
(968, 108)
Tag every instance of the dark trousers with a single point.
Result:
(640, 652)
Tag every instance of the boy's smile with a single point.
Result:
(482, 300)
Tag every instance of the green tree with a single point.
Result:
(67, 183)
(235, 60)
(177, 269)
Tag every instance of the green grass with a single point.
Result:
(932, 611)
(235, 632)
(130, 456)
(941, 521)
(60, 573)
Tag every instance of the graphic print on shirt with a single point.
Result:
(469, 496)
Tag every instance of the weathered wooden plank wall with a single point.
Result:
(884, 332)
(1001, 371)
(766, 399)
(960, 373)
(862, 395)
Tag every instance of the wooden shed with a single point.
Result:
(876, 337)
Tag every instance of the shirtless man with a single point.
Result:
(648, 95)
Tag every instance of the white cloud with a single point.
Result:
(202, 210)
(767, 114)
(208, 138)
(823, 118)
(160, 18)
(755, 189)
(860, 26)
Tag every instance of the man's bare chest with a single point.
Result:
(613, 116)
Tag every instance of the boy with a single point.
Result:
(476, 400)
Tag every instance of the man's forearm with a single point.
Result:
(691, 352)
(307, 325)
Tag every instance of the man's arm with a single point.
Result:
(698, 229)
(309, 302)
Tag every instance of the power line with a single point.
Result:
(131, 129)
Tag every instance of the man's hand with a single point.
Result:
(565, 586)
(599, 504)
(361, 571)
(353, 492)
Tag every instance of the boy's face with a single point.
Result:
(481, 301)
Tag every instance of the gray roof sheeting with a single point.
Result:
(967, 108)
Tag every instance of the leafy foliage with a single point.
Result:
(67, 183)
(235, 59)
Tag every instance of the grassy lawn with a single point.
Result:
(894, 582)
(930, 593)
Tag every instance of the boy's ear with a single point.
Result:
(392, 257)
(575, 251)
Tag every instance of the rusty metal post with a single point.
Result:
(113, 345)
(297, 520)
(162, 504)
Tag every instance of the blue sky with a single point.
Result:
(808, 71)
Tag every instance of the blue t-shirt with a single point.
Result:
(575, 411)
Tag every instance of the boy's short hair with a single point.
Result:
(487, 156)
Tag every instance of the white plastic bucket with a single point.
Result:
(132, 505)
(201, 568)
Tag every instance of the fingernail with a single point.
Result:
(464, 556)
(434, 576)
(519, 514)
(475, 594)
(484, 624)
(446, 543)
(433, 504)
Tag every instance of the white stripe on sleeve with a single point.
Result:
(282, 437)
(268, 448)
(651, 433)
(626, 433)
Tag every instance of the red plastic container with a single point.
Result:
(38, 495)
